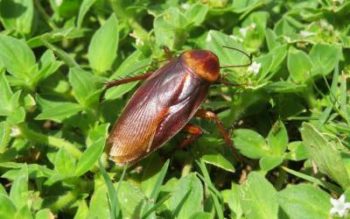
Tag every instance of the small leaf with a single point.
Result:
(297, 151)
(17, 57)
(56, 111)
(325, 155)
(44, 214)
(196, 13)
(103, 46)
(259, 198)
(89, 157)
(19, 189)
(85, 86)
(325, 57)
(187, 197)
(84, 8)
(277, 138)
(232, 199)
(299, 65)
(269, 162)
(7, 208)
(64, 163)
(250, 143)
(17, 15)
(304, 201)
(5, 95)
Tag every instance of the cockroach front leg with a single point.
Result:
(117, 82)
(205, 114)
(194, 132)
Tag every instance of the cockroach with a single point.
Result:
(164, 104)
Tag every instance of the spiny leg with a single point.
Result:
(194, 132)
(211, 116)
(117, 82)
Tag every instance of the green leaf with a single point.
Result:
(19, 189)
(24, 213)
(214, 42)
(269, 162)
(7, 207)
(250, 143)
(324, 57)
(156, 187)
(212, 152)
(297, 151)
(56, 111)
(232, 199)
(17, 116)
(90, 156)
(83, 210)
(187, 198)
(98, 206)
(259, 198)
(47, 65)
(170, 28)
(277, 138)
(103, 46)
(84, 8)
(85, 86)
(5, 131)
(304, 201)
(17, 15)
(325, 155)
(5, 96)
(130, 198)
(17, 57)
(299, 65)
(196, 13)
(44, 214)
(64, 163)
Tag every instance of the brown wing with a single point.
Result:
(159, 109)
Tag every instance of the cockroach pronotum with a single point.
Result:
(164, 104)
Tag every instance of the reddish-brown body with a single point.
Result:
(162, 105)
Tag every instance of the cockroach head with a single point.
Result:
(203, 63)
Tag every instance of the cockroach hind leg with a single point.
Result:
(205, 114)
(114, 83)
(194, 132)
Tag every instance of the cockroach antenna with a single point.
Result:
(241, 51)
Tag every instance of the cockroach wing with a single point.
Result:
(159, 109)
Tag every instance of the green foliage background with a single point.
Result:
(291, 119)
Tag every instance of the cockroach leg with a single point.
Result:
(167, 52)
(117, 82)
(194, 132)
(205, 114)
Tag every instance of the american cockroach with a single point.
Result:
(164, 104)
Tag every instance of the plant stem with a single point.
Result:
(49, 140)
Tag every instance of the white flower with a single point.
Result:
(243, 31)
(15, 132)
(208, 39)
(254, 68)
(252, 26)
(185, 6)
(59, 2)
(339, 206)
(305, 33)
